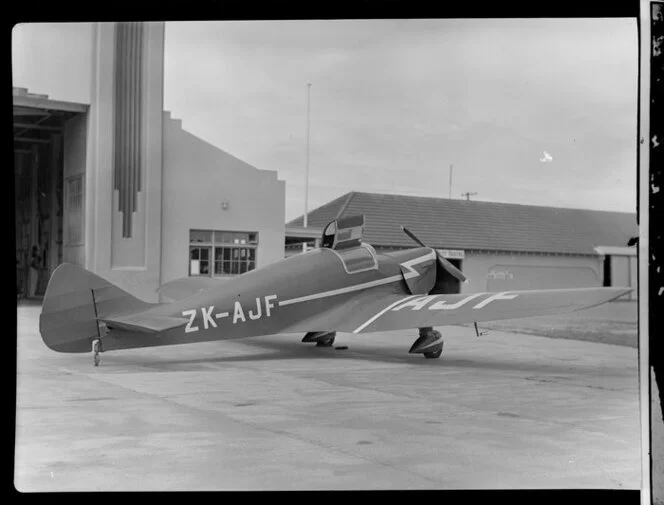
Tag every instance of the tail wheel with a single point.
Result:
(96, 349)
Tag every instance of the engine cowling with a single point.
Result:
(421, 277)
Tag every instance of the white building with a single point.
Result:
(107, 180)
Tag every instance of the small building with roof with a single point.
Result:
(498, 246)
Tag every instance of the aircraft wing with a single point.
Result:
(399, 312)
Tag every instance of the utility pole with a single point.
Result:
(306, 171)
(468, 194)
(451, 168)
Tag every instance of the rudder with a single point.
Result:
(75, 298)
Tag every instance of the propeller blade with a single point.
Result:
(412, 236)
(451, 269)
(442, 261)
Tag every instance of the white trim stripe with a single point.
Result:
(371, 284)
(349, 289)
(391, 305)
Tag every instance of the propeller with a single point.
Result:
(442, 261)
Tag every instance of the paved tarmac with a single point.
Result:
(270, 413)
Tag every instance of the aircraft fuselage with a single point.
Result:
(270, 300)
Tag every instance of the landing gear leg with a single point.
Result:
(430, 343)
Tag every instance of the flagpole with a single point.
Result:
(450, 194)
(306, 171)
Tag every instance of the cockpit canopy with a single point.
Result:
(343, 233)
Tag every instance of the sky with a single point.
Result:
(529, 111)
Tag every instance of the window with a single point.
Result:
(357, 259)
(74, 210)
(221, 253)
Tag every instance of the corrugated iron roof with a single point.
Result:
(475, 225)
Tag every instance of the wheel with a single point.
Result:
(433, 354)
(328, 342)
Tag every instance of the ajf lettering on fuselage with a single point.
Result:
(209, 316)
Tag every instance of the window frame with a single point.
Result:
(227, 240)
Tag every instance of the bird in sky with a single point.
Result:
(547, 158)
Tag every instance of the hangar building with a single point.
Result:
(111, 182)
(499, 246)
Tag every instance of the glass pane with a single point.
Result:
(217, 268)
(195, 253)
(253, 238)
(227, 267)
(200, 236)
(243, 267)
(227, 254)
(357, 259)
(235, 268)
(331, 229)
(221, 237)
(252, 254)
(205, 253)
(251, 265)
(217, 253)
(194, 267)
(243, 253)
(236, 253)
(205, 267)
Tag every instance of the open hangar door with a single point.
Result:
(40, 206)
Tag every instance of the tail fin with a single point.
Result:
(74, 301)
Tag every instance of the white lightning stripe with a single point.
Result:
(416, 261)
(371, 284)
(369, 321)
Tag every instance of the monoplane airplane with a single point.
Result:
(344, 285)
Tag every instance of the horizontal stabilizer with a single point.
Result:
(146, 323)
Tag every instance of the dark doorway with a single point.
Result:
(38, 205)
(445, 282)
(607, 271)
